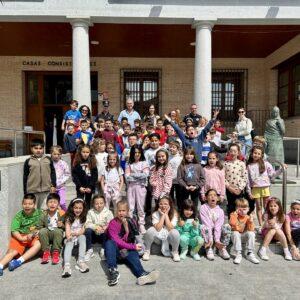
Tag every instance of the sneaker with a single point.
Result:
(66, 271)
(148, 278)
(14, 264)
(82, 267)
(251, 257)
(175, 256)
(89, 254)
(195, 256)
(288, 256)
(224, 254)
(46, 257)
(146, 255)
(1, 272)
(183, 254)
(114, 277)
(55, 257)
(142, 229)
(210, 254)
(263, 254)
(102, 254)
(238, 258)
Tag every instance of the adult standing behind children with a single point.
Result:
(129, 113)
(39, 175)
(193, 115)
(105, 114)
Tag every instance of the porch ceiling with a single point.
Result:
(140, 40)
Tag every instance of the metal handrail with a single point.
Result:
(286, 138)
(16, 131)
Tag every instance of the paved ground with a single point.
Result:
(275, 279)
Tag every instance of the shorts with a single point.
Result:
(20, 247)
(260, 192)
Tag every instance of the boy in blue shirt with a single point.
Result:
(83, 135)
(72, 116)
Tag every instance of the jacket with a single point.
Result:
(43, 223)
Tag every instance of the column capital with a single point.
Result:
(80, 22)
(208, 24)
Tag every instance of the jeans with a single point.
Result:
(185, 195)
(92, 238)
(86, 197)
(131, 258)
(81, 241)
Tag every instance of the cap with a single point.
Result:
(105, 103)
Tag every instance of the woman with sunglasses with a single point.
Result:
(86, 115)
(243, 130)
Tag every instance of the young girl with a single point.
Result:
(214, 176)
(260, 173)
(99, 146)
(161, 175)
(74, 224)
(164, 220)
(62, 174)
(121, 245)
(97, 221)
(292, 228)
(136, 175)
(218, 234)
(189, 229)
(235, 177)
(272, 228)
(190, 177)
(112, 180)
(85, 173)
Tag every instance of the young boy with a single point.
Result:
(108, 134)
(123, 139)
(160, 129)
(83, 135)
(154, 147)
(23, 235)
(70, 145)
(72, 116)
(51, 229)
(39, 174)
(243, 227)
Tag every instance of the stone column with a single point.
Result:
(81, 62)
(202, 69)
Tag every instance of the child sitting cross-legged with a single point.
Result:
(51, 229)
(189, 229)
(23, 235)
(242, 227)
(121, 246)
(96, 224)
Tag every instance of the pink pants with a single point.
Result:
(62, 194)
(136, 195)
(112, 194)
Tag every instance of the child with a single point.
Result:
(161, 131)
(188, 227)
(122, 245)
(70, 145)
(84, 136)
(174, 161)
(99, 147)
(39, 173)
(123, 139)
(23, 235)
(242, 227)
(161, 175)
(51, 229)
(154, 147)
(190, 176)
(292, 228)
(136, 175)
(75, 219)
(214, 176)
(272, 228)
(132, 140)
(96, 224)
(85, 173)
(260, 173)
(108, 134)
(212, 216)
(62, 174)
(235, 177)
(112, 180)
(72, 116)
(164, 220)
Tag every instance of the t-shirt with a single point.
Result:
(206, 148)
(76, 226)
(52, 221)
(294, 221)
(85, 136)
(24, 223)
(163, 233)
(73, 115)
(101, 158)
(112, 176)
(150, 156)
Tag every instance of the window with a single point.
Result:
(143, 86)
(229, 92)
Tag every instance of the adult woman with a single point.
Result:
(243, 130)
(151, 118)
(174, 116)
(86, 115)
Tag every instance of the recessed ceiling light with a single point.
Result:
(95, 42)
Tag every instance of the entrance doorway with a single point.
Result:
(48, 95)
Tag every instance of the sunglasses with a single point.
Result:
(84, 110)
(241, 112)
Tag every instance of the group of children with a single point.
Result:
(165, 179)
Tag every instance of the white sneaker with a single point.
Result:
(89, 254)
(183, 254)
(210, 254)
(142, 229)
(263, 254)
(67, 272)
(224, 254)
(251, 257)
(238, 258)
(195, 256)
(175, 256)
(288, 256)
(102, 254)
(146, 255)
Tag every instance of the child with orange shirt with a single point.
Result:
(242, 227)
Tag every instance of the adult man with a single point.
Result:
(193, 115)
(105, 114)
(129, 113)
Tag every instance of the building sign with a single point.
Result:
(56, 63)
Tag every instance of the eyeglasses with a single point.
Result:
(241, 112)
(84, 110)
